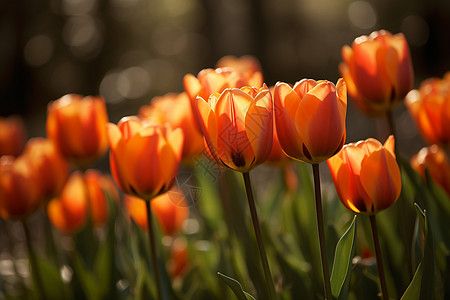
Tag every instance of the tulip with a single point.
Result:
(99, 187)
(77, 127)
(366, 175)
(19, 191)
(436, 162)
(68, 211)
(430, 108)
(176, 110)
(237, 126)
(51, 166)
(378, 71)
(210, 81)
(178, 262)
(170, 209)
(310, 118)
(247, 65)
(12, 136)
(144, 157)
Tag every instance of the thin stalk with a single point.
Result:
(259, 239)
(151, 236)
(376, 243)
(319, 216)
(392, 130)
(33, 262)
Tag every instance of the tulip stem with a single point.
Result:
(259, 239)
(151, 236)
(319, 215)
(392, 130)
(33, 262)
(376, 243)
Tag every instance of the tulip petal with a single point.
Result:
(259, 126)
(380, 178)
(389, 145)
(320, 121)
(235, 149)
(192, 86)
(208, 125)
(286, 102)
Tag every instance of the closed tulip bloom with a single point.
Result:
(144, 157)
(176, 110)
(19, 191)
(378, 71)
(170, 209)
(430, 108)
(310, 118)
(68, 212)
(210, 81)
(77, 127)
(99, 187)
(436, 162)
(246, 65)
(237, 126)
(12, 136)
(366, 175)
(51, 166)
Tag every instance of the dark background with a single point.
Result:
(132, 50)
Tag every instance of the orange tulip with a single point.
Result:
(310, 118)
(210, 81)
(176, 110)
(99, 187)
(247, 65)
(19, 191)
(430, 108)
(436, 162)
(82, 195)
(170, 209)
(237, 126)
(378, 71)
(51, 166)
(77, 127)
(144, 157)
(12, 136)
(366, 175)
(68, 212)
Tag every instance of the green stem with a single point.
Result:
(33, 262)
(151, 236)
(392, 130)
(319, 216)
(376, 243)
(259, 239)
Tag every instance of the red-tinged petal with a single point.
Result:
(129, 126)
(404, 78)
(303, 86)
(114, 135)
(380, 178)
(389, 145)
(208, 125)
(259, 126)
(192, 86)
(285, 105)
(320, 122)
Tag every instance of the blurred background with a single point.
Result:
(129, 51)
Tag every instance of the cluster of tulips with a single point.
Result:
(229, 118)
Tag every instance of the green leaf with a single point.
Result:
(87, 279)
(236, 287)
(422, 285)
(51, 280)
(343, 259)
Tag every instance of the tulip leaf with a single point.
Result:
(422, 285)
(236, 287)
(53, 285)
(343, 258)
(87, 279)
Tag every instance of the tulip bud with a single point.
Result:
(12, 136)
(77, 127)
(378, 71)
(366, 175)
(310, 118)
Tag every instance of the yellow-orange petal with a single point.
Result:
(208, 125)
